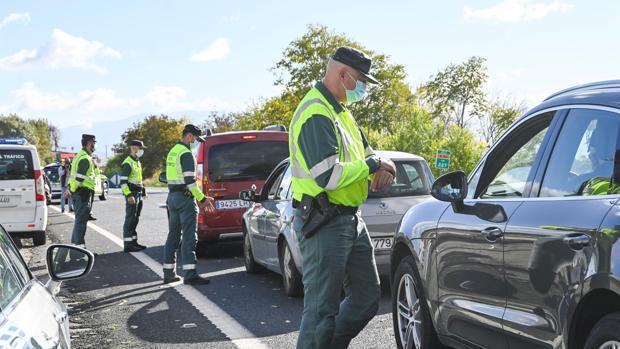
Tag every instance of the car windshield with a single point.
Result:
(52, 173)
(245, 161)
(16, 164)
(410, 181)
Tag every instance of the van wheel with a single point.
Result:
(38, 238)
(104, 194)
(290, 275)
(605, 334)
(413, 327)
(248, 257)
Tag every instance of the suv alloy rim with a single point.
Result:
(610, 345)
(409, 313)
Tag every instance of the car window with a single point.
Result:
(582, 162)
(273, 185)
(509, 166)
(285, 184)
(16, 164)
(14, 257)
(10, 285)
(52, 173)
(245, 161)
(411, 180)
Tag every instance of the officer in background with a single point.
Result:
(182, 208)
(134, 191)
(332, 163)
(82, 187)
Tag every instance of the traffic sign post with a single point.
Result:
(442, 159)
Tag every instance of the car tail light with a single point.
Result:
(249, 137)
(201, 218)
(31, 225)
(39, 186)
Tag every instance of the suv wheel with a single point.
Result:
(38, 238)
(290, 275)
(605, 334)
(248, 257)
(412, 322)
(104, 193)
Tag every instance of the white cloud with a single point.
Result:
(168, 98)
(100, 99)
(516, 11)
(217, 50)
(63, 51)
(29, 97)
(15, 17)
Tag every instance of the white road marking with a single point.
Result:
(240, 336)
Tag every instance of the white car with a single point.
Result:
(23, 208)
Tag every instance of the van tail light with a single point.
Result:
(201, 218)
(39, 186)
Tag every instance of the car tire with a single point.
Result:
(251, 267)
(104, 194)
(412, 322)
(202, 249)
(291, 278)
(38, 238)
(605, 334)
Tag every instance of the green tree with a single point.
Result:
(497, 120)
(36, 131)
(219, 122)
(43, 142)
(159, 133)
(114, 165)
(465, 150)
(455, 94)
(13, 126)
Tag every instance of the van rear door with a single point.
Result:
(17, 186)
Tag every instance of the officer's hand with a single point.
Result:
(207, 205)
(388, 165)
(67, 194)
(131, 200)
(382, 179)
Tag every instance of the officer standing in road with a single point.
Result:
(134, 191)
(332, 163)
(82, 187)
(182, 208)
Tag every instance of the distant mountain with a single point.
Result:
(109, 132)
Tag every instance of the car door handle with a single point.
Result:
(492, 234)
(61, 317)
(577, 242)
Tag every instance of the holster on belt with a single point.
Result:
(316, 212)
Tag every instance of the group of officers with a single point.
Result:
(330, 159)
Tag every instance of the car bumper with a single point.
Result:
(27, 228)
(382, 258)
(209, 234)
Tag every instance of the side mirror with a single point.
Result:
(248, 195)
(162, 178)
(66, 262)
(451, 187)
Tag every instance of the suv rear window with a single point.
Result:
(245, 161)
(411, 180)
(16, 164)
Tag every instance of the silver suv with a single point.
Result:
(270, 243)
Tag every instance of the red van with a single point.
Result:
(228, 163)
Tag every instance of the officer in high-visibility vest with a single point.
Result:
(184, 200)
(332, 164)
(82, 187)
(134, 191)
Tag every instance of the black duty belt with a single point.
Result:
(343, 210)
(177, 188)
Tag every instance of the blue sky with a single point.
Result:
(82, 62)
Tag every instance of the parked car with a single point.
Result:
(524, 252)
(23, 209)
(270, 243)
(102, 186)
(32, 315)
(228, 163)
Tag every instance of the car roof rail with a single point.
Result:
(587, 87)
(279, 127)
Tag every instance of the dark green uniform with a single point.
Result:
(131, 186)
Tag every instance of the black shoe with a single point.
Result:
(196, 280)
(132, 248)
(172, 279)
(142, 247)
(91, 218)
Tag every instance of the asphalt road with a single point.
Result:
(123, 303)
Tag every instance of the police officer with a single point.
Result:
(331, 158)
(182, 208)
(134, 191)
(82, 187)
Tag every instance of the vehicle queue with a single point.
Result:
(520, 254)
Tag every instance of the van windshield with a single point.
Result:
(245, 161)
(411, 180)
(16, 164)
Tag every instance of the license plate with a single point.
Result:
(5, 201)
(382, 243)
(231, 204)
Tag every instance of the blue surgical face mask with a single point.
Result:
(359, 93)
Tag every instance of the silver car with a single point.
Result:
(270, 243)
(31, 315)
